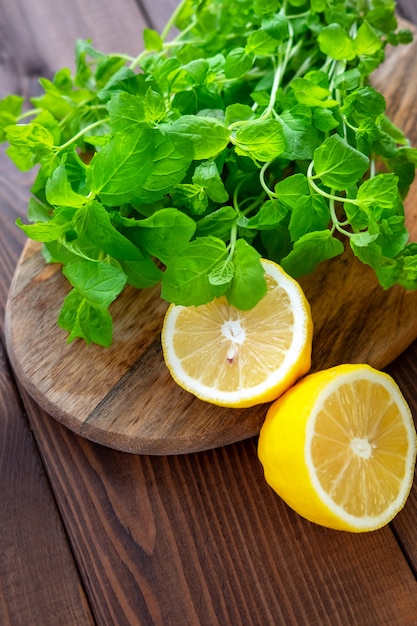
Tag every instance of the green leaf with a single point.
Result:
(80, 319)
(260, 44)
(154, 106)
(197, 71)
(218, 223)
(336, 43)
(309, 214)
(300, 140)
(261, 140)
(170, 162)
(277, 26)
(222, 273)
(237, 113)
(141, 274)
(362, 239)
(310, 250)
(42, 231)
(58, 190)
(289, 189)
(309, 93)
(380, 191)
(190, 198)
(207, 136)
(324, 119)
(363, 103)
(152, 40)
(186, 279)
(117, 173)
(238, 62)
(370, 253)
(10, 109)
(207, 176)
(367, 41)
(95, 231)
(248, 285)
(164, 234)
(98, 282)
(265, 7)
(338, 164)
(28, 144)
(126, 111)
(271, 213)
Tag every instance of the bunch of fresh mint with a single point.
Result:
(253, 133)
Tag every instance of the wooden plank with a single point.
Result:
(404, 370)
(202, 539)
(158, 13)
(408, 9)
(39, 580)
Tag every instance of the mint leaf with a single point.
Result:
(380, 191)
(99, 283)
(207, 176)
(310, 250)
(28, 144)
(152, 40)
(251, 132)
(248, 285)
(80, 319)
(311, 94)
(58, 190)
(336, 43)
(218, 223)
(96, 234)
(261, 140)
(207, 136)
(310, 213)
(164, 234)
(338, 164)
(186, 279)
(117, 173)
(169, 164)
(238, 62)
(271, 213)
(367, 41)
(126, 111)
(222, 273)
(154, 105)
(291, 188)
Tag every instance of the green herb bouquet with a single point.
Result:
(253, 132)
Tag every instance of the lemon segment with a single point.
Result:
(340, 448)
(236, 358)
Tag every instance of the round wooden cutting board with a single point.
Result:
(124, 397)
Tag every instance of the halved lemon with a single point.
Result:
(340, 448)
(240, 358)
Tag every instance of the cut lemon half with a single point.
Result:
(340, 448)
(240, 358)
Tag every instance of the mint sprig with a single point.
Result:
(254, 132)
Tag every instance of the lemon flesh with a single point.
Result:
(240, 358)
(340, 448)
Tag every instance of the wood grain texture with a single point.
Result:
(124, 397)
(191, 540)
(33, 544)
(200, 539)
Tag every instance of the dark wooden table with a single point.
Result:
(89, 535)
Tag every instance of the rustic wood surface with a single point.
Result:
(125, 398)
(91, 535)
